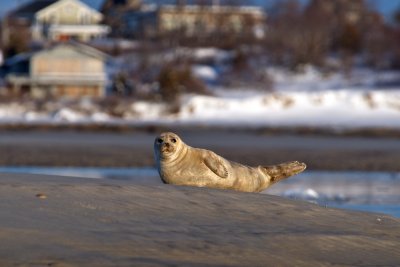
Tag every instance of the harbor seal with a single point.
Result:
(180, 164)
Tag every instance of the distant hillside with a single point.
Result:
(385, 6)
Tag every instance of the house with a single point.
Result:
(53, 20)
(63, 70)
(130, 18)
(194, 20)
(133, 19)
(349, 11)
(114, 5)
(140, 23)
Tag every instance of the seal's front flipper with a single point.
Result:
(282, 171)
(215, 164)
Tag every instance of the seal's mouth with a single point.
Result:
(167, 149)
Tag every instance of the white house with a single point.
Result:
(54, 20)
(67, 69)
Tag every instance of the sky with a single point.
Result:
(387, 7)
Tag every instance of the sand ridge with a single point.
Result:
(84, 222)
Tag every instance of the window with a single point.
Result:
(85, 18)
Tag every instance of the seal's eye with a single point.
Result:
(159, 141)
(173, 140)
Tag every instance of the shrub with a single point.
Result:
(175, 79)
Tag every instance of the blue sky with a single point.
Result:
(387, 7)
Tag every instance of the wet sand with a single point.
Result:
(134, 149)
(55, 221)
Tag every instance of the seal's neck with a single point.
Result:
(176, 157)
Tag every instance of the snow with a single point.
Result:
(307, 99)
(310, 79)
(301, 193)
(204, 72)
(343, 108)
(210, 53)
(100, 117)
(148, 111)
(68, 115)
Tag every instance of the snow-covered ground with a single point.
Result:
(332, 108)
(366, 99)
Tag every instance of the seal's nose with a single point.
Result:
(165, 146)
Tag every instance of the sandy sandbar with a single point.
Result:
(55, 221)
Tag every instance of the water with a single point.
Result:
(364, 191)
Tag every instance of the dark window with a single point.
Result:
(119, 2)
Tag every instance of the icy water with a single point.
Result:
(365, 191)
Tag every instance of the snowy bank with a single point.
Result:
(309, 98)
(342, 108)
(327, 108)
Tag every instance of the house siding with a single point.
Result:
(68, 73)
(65, 70)
(65, 63)
(203, 20)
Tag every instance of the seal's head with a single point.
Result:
(167, 146)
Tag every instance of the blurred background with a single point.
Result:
(86, 85)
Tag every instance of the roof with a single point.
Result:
(88, 50)
(81, 48)
(35, 8)
(29, 9)
(18, 58)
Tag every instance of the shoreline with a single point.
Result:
(149, 127)
(70, 148)
(81, 222)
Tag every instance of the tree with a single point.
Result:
(396, 17)
(17, 44)
(175, 79)
(298, 37)
(350, 39)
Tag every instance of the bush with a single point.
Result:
(174, 80)
(350, 38)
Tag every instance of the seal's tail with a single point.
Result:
(283, 170)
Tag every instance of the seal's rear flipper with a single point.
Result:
(282, 171)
